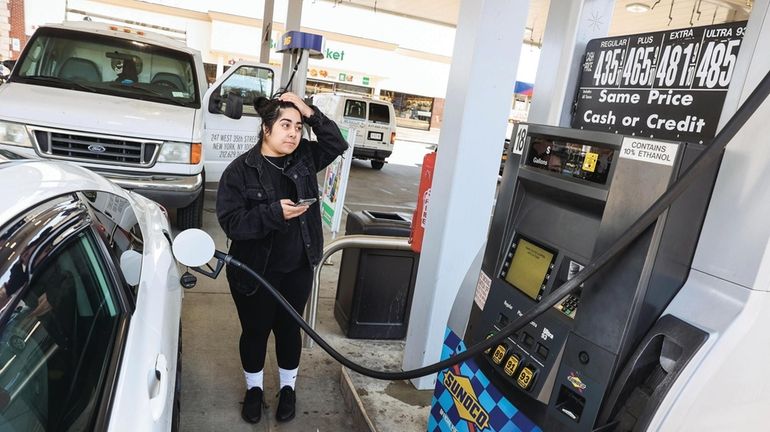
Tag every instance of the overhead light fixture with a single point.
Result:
(637, 7)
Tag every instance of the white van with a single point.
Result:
(131, 105)
(375, 121)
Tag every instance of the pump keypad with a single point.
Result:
(526, 376)
(569, 305)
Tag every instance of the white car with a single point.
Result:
(90, 304)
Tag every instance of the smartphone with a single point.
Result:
(305, 202)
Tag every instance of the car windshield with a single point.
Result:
(114, 66)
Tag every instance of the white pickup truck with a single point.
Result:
(132, 106)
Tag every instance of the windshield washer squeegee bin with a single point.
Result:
(375, 286)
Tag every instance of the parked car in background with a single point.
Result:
(90, 304)
(131, 105)
(374, 120)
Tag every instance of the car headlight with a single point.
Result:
(14, 134)
(179, 152)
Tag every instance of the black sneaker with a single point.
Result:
(252, 405)
(287, 401)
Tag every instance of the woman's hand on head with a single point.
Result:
(290, 211)
(303, 108)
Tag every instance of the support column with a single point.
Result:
(220, 66)
(569, 27)
(730, 249)
(293, 19)
(487, 46)
(752, 64)
(267, 30)
(300, 78)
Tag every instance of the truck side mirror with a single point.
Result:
(233, 105)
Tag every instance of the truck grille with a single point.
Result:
(77, 146)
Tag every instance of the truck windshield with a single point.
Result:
(109, 65)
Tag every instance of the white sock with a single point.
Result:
(254, 379)
(288, 377)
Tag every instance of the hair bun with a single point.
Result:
(260, 103)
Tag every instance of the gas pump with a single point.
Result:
(566, 195)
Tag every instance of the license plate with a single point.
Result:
(375, 136)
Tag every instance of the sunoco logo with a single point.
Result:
(465, 400)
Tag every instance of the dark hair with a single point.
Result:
(268, 110)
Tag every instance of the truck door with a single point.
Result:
(225, 138)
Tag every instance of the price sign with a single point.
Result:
(668, 85)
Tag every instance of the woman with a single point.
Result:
(276, 238)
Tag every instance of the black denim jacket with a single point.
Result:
(250, 212)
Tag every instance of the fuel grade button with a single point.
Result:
(511, 365)
(526, 376)
(499, 353)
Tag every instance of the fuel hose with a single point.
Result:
(708, 157)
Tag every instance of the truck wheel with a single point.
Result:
(378, 164)
(192, 215)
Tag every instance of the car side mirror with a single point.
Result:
(131, 266)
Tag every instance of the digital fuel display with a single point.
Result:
(528, 267)
(586, 162)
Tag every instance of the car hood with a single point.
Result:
(92, 112)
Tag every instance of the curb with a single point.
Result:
(355, 405)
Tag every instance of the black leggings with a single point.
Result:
(260, 313)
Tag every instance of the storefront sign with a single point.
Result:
(334, 55)
(667, 85)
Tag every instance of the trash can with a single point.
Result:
(375, 286)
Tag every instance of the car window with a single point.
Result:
(57, 343)
(379, 113)
(118, 227)
(356, 109)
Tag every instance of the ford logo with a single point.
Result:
(96, 148)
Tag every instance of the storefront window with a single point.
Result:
(354, 89)
(314, 86)
(211, 72)
(412, 111)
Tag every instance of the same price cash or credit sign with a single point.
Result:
(667, 85)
